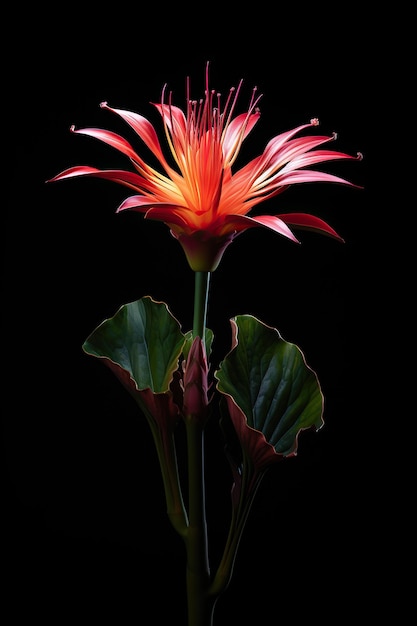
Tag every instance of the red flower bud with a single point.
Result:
(195, 400)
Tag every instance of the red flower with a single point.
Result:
(204, 202)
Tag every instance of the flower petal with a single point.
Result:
(72, 172)
(236, 132)
(317, 156)
(174, 119)
(162, 211)
(135, 203)
(142, 127)
(112, 139)
(130, 179)
(172, 215)
(277, 142)
(273, 222)
(304, 221)
(306, 176)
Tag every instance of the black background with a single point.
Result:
(87, 533)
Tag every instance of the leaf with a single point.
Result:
(142, 338)
(270, 382)
(141, 344)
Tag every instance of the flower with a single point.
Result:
(202, 200)
(267, 394)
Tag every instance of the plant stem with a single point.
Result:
(240, 515)
(200, 605)
(165, 445)
(202, 281)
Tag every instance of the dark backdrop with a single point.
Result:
(87, 535)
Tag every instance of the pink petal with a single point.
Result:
(307, 176)
(273, 222)
(293, 149)
(232, 135)
(311, 158)
(135, 203)
(72, 172)
(305, 221)
(142, 127)
(130, 179)
(169, 214)
(112, 139)
(174, 118)
(156, 210)
(278, 141)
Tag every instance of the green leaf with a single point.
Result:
(271, 383)
(144, 339)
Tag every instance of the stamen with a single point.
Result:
(314, 121)
(207, 77)
(219, 116)
(187, 89)
(216, 124)
(198, 110)
(229, 97)
(232, 104)
(359, 156)
(163, 93)
(252, 100)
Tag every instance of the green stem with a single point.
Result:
(166, 451)
(239, 518)
(200, 604)
(202, 282)
(165, 445)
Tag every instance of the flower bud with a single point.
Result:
(195, 400)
